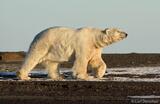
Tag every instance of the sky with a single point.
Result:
(21, 20)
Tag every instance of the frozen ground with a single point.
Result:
(149, 74)
(134, 74)
(144, 74)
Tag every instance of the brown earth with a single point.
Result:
(13, 91)
(76, 92)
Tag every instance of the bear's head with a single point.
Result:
(111, 35)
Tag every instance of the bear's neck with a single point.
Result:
(98, 41)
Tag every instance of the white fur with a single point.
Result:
(58, 44)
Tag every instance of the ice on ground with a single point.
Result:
(135, 70)
(134, 74)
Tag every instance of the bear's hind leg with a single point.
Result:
(28, 65)
(35, 54)
(53, 71)
(31, 61)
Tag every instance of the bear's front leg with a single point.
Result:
(99, 66)
(80, 68)
(100, 71)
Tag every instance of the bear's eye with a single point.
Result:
(119, 32)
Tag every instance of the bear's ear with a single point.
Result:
(105, 31)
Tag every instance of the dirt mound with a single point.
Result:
(11, 56)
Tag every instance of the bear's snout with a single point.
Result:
(126, 34)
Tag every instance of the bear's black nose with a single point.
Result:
(126, 34)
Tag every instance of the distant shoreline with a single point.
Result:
(112, 60)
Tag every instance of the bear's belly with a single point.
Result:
(59, 53)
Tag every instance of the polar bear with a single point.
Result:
(58, 44)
